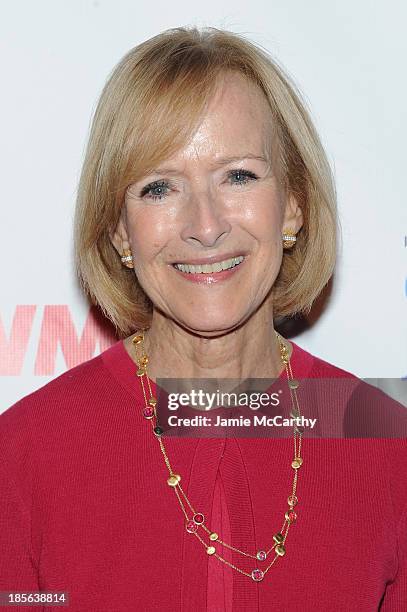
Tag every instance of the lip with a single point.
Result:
(210, 260)
(210, 278)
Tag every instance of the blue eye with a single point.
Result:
(158, 190)
(246, 175)
(155, 190)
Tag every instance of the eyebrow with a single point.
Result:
(222, 161)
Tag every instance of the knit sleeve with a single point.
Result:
(395, 597)
(17, 568)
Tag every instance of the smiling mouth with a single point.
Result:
(219, 266)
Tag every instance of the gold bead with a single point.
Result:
(173, 480)
(278, 538)
(152, 401)
(214, 536)
(141, 372)
(280, 550)
(144, 360)
(296, 463)
(293, 383)
(137, 339)
(292, 500)
(211, 550)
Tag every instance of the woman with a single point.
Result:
(206, 211)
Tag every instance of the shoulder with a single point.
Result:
(62, 398)
(60, 421)
(361, 408)
(317, 367)
(365, 417)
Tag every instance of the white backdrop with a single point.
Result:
(349, 61)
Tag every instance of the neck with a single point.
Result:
(248, 351)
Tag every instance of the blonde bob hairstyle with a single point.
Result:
(148, 110)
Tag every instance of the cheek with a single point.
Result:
(148, 233)
(264, 221)
(266, 228)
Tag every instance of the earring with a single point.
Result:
(289, 239)
(127, 258)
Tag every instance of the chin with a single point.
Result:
(210, 326)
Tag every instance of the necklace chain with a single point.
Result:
(195, 520)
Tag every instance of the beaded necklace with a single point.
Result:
(195, 522)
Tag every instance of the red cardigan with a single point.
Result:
(85, 507)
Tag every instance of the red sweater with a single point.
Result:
(85, 507)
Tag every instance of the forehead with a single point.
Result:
(236, 94)
(237, 119)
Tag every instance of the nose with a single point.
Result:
(205, 220)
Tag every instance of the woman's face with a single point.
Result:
(216, 199)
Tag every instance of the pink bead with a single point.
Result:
(191, 527)
(148, 412)
(257, 575)
(291, 516)
(261, 555)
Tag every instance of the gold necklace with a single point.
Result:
(195, 520)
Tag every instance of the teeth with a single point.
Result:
(210, 268)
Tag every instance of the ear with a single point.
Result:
(119, 236)
(293, 217)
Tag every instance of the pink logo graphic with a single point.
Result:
(57, 328)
